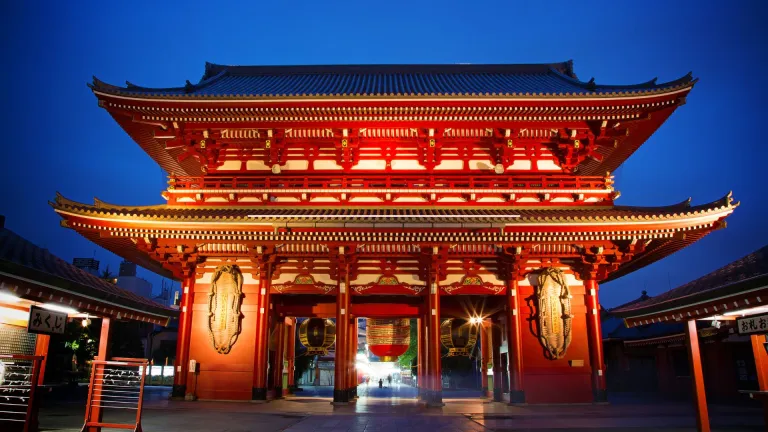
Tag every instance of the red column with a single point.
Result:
(352, 359)
(514, 344)
(435, 395)
(41, 349)
(697, 377)
(426, 372)
(181, 361)
(761, 365)
(419, 356)
(342, 331)
(498, 391)
(102, 354)
(277, 372)
(290, 353)
(595, 339)
(485, 355)
(261, 356)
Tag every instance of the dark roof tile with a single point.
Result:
(221, 81)
(752, 266)
(20, 251)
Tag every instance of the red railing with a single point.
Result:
(118, 385)
(392, 182)
(18, 388)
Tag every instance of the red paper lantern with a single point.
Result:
(388, 338)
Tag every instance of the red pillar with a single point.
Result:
(352, 359)
(435, 394)
(290, 353)
(181, 361)
(426, 371)
(340, 393)
(514, 344)
(595, 339)
(277, 372)
(498, 391)
(419, 355)
(41, 349)
(102, 354)
(761, 365)
(485, 355)
(261, 355)
(697, 377)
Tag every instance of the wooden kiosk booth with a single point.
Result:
(735, 295)
(39, 293)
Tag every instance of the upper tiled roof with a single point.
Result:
(38, 264)
(453, 80)
(710, 286)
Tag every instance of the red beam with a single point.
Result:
(385, 310)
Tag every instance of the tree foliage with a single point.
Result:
(408, 358)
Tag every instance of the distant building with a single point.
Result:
(135, 285)
(165, 296)
(90, 265)
(127, 268)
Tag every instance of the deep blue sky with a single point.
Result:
(55, 138)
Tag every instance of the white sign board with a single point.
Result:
(752, 324)
(46, 321)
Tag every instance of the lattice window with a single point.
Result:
(16, 340)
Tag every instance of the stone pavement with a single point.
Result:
(404, 414)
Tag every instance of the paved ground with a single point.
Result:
(388, 410)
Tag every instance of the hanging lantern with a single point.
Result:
(459, 336)
(317, 334)
(388, 338)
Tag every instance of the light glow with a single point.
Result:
(13, 314)
(475, 320)
(9, 298)
(59, 308)
(745, 312)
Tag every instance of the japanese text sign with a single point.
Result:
(753, 324)
(46, 321)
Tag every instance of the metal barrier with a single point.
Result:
(18, 385)
(118, 385)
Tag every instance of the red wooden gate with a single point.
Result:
(116, 385)
(18, 385)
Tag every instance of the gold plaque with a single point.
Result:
(224, 300)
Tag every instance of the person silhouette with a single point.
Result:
(381, 383)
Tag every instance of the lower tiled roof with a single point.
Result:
(509, 215)
(751, 268)
(20, 257)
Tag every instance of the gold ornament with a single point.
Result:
(554, 312)
(224, 300)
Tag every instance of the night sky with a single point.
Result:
(57, 139)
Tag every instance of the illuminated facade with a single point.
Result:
(394, 191)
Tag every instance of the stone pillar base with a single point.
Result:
(600, 395)
(435, 399)
(340, 397)
(278, 392)
(516, 397)
(258, 394)
(498, 395)
(178, 391)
